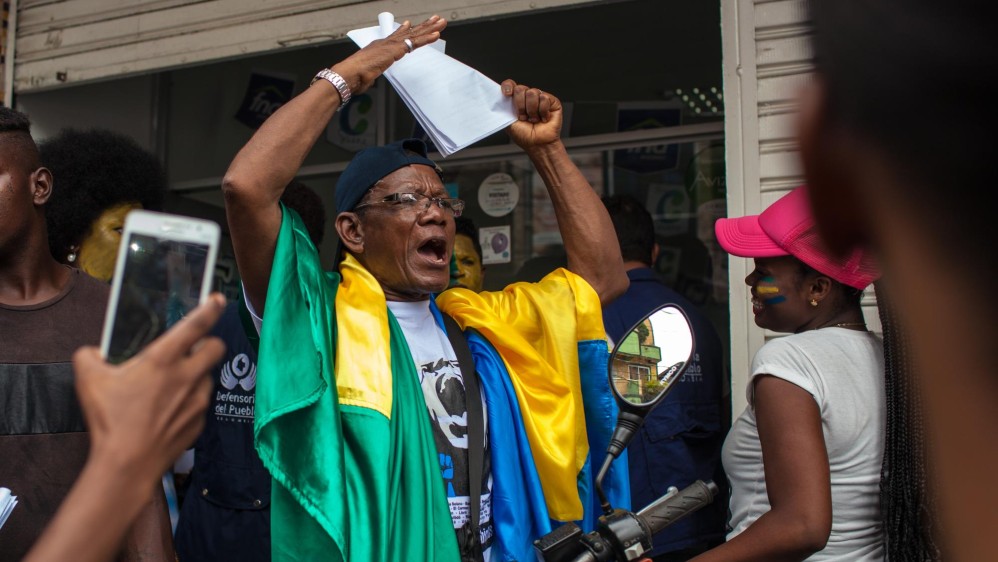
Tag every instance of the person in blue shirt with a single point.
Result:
(225, 513)
(681, 439)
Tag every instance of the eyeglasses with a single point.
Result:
(419, 202)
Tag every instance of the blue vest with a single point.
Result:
(225, 514)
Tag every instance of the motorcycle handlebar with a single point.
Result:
(668, 509)
(623, 535)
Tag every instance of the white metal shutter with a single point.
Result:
(767, 57)
(63, 42)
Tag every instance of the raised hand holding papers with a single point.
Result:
(455, 104)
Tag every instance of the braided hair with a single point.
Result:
(906, 502)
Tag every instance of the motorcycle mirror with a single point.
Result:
(643, 367)
(650, 359)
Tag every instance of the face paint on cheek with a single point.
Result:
(98, 261)
(99, 248)
(469, 269)
(769, 292)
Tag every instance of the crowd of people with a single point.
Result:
(401, 411)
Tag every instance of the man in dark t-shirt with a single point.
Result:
(47, 311)
(43, 442)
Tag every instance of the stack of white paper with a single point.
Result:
(7, 503)
(455, 104)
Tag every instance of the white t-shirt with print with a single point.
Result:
(443, 389)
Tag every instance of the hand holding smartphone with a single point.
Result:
(164, 269)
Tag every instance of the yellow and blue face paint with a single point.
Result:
(769, 292)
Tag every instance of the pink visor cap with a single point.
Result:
(787, 228)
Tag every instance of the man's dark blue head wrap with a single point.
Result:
(371, 164)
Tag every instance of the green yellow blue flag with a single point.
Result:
(340, 419)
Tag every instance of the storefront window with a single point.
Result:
(681, 185)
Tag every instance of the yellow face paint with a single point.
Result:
(99, 248)
(469, 266)
(768, 291)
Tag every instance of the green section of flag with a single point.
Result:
(350, 484)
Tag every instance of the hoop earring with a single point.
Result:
(814, 302)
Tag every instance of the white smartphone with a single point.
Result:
(164, 268)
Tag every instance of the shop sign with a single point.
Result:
(498, 195)
(355, 126)
(495, 244)
(647, 159)
(265, 94)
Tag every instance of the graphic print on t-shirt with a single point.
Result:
(443, 389)
(442, 385)
(446, 402)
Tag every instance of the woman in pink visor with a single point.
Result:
(804, 458)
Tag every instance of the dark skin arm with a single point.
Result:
(586, 230)
(151, 535)
(797, 480)
(262, 169)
